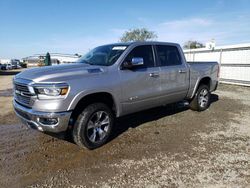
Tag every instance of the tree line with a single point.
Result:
(143, 34)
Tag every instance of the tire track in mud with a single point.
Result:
(24, 151)
(28, 157)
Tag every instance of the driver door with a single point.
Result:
(140, 85)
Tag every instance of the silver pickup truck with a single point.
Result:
(110, 81)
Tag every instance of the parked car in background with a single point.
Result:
(110, 81)
(15, 63)
(6, 66)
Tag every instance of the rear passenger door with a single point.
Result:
(173, 73)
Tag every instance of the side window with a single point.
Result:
(144, 52)
(168, 55)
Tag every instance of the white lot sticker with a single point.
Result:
(119, 47)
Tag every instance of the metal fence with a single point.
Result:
(234, 61)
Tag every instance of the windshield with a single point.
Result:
(103, 55)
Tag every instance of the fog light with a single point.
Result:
(48, 121)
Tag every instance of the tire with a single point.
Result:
(93, 126)
(201, 100)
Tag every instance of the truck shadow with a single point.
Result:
(9, 73)
(136, 119)
(139, 118)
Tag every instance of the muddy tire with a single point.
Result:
(201, 100)
(93, 126)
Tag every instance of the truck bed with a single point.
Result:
(200, 70)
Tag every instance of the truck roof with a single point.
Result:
(145, 43)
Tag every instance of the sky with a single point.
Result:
(29, 27)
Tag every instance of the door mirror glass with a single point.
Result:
(135, 62)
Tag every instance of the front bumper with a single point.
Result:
(33, 118)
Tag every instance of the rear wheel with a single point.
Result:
(93, 126)
(201, 100)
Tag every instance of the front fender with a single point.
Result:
(83, 94)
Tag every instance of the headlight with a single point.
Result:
(51, 91)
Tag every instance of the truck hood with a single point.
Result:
(54, 73)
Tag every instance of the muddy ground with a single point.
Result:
(169, 146)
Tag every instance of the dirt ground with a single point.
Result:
(169, 146)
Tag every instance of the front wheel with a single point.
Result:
(93, 126)
(201, 100)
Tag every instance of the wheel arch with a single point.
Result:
(205, 80)
(102, 97)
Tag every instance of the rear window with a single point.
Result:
(168, 55)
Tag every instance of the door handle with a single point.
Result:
(154, 75)
(182, 71)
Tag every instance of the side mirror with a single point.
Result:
(135, 62)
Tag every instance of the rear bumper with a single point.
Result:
(33, 119)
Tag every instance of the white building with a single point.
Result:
(4, 61)
(234, 61)
(56, 58)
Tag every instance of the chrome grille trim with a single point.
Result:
(22, 94)
(21, 88)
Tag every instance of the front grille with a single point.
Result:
(21, 88)
(23, 99)
(22, 94)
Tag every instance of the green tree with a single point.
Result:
(47, 60)
(193, 45)
(142, 34)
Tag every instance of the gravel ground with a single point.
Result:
(169, 146)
